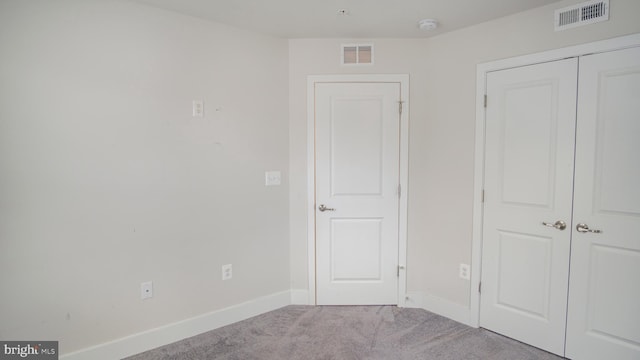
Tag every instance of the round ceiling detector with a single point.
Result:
(427, 24)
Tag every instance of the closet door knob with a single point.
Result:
(324, 208)
(584, 228)
(560, 225)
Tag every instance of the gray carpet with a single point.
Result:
(346, 333)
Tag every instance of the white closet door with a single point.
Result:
(530, 132)
(604, 296)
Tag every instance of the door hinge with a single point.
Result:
(482, 196)
(399, 190)
(400, 267)
(400, 107)
(480, 287)
(485, 100)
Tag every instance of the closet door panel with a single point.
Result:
(604, 295)
(530, 127)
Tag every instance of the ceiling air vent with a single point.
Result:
(581, 14)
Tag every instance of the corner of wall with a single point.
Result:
(301, 297)
(442, 307)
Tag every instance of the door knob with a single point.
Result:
(560, 225)
(324, 208)
(584, 228)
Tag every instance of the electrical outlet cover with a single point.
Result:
(227, 272)
(198, 108)
(465, 272)
(272, 178)
(146, 290)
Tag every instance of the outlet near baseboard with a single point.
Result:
(227, 272)
(465, 272)
(146, 290)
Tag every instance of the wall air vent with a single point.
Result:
(581, 14)
(357, 54)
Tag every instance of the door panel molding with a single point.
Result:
(403, 80)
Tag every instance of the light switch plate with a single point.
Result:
(272, 178)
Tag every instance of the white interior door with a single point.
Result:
(530, 131)
(357, 132)
(604, 296)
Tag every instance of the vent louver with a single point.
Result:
(357, 54)
(581, 14)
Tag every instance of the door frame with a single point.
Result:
(403, 80)
(617, 43)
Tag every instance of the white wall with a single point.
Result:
(442, 126)
(107, 181)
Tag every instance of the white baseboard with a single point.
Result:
(442, 307)
(300, 297)
(167, 334)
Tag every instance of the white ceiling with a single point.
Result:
(366, 19)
